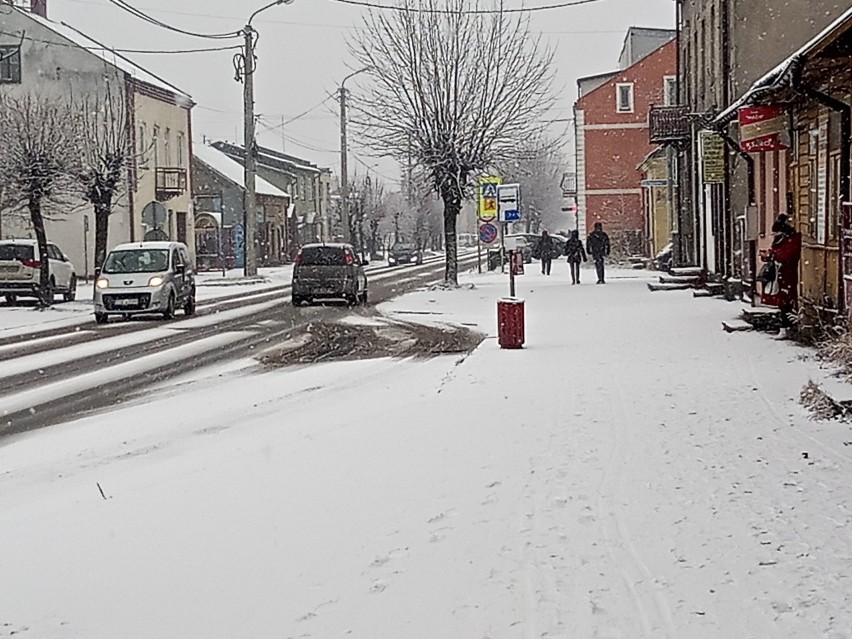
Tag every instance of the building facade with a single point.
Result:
(49, 59)
(612, 140)
(724, 47)
(219, 194)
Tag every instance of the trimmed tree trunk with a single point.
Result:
(45, 297)
(452, 207)
(103, 209)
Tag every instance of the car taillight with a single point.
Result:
(298, 259)
(347, 259)
(31, 263)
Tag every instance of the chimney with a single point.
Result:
(39, 7)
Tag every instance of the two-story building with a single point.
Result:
(611, 125)
(219, 183)
(302, 179)
(46, 58)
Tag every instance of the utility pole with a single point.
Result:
(250, 158)
(344, 170)
(245, 64)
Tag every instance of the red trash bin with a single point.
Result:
(510, 322)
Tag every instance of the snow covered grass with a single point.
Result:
(633, 472)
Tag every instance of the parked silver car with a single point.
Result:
(144, 278)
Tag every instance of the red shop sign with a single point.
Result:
(763, 128)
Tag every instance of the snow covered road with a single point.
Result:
(633, 472)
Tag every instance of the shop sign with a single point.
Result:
(763, 129)
(712, 157)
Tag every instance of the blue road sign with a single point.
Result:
(489, 190)
(511, 215)
(487, 233)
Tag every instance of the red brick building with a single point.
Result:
(611, 125)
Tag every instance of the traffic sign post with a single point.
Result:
(488, 233)
(509, 202)
(488, 187)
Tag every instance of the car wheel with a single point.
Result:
(352, 300)
(71, 293)
(189, 307)
(296, 301)
(11, 299)
(101, 318)
(169, 313)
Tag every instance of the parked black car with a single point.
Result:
(328, 272)
(402, 253)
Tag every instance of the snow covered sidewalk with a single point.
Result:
(633, 472)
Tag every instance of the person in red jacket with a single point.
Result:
(786, 251)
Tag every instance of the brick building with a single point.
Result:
(611, 123)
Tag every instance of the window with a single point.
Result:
(10, 65)
(670, 90)
(142, 149)
(167, 147)
(156, 144)
(624, 97)
(181, 142)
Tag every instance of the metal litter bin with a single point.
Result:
(510, 322)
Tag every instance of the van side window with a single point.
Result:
(176, 261)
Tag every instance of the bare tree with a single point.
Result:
(538, 168)
(105, 148)
(456, 84)
(37, 161)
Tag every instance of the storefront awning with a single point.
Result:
(780, 77)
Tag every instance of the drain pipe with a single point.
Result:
(845, 160)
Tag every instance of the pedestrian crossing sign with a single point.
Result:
(488, 197)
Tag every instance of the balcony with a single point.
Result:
(171, 182)
(669, 124)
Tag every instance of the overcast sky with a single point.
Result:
(303, 55)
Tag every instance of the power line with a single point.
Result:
(122, 4)
(391, 7)
(113, 50)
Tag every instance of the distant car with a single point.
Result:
(403, 253)
(523, 244)
(20, 271)
(328, 272)
(558, 244)
(145, 278)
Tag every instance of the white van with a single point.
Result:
(144, 278)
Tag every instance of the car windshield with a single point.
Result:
(137, 261)
(403, 247)
(15, 252)
(323, 256)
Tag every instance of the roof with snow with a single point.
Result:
(232, 170)
(107, 54)
(781, 75)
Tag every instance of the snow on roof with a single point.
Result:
(233, 170)
(775, 76)
(107, 55)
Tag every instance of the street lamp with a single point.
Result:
(344, 171)
(247, 59)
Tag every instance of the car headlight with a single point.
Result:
(391, 260)
(102, 282)
(156, 281)
(413, 259)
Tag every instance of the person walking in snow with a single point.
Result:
(576, 254)
(545, 252)
(782, 290)
(597, 245)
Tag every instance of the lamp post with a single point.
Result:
(247, 58)
(344, 170)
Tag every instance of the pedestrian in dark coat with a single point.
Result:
(576, 254)
(783, 290)
(597, 245)
(545, 251)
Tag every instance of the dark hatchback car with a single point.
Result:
(328, 272)
(402, 253)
